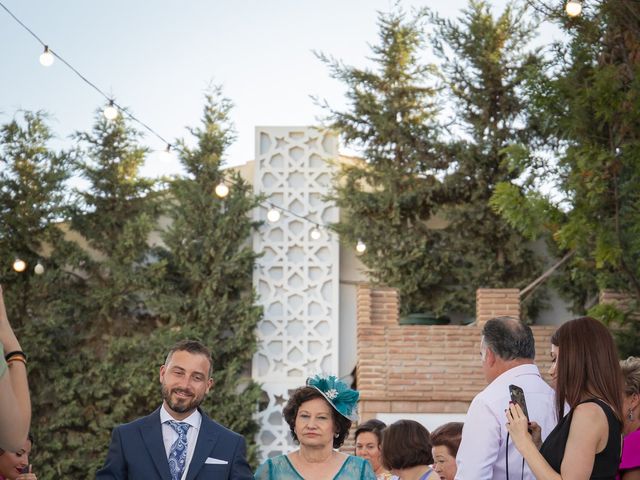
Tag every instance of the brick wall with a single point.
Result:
(424, 368)
(623, 301)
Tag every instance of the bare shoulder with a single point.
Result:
(589, 426)
(590, 411)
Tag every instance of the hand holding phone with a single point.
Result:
(517, 396)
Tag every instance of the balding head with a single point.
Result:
(506, 343)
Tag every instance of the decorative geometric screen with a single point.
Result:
(297, 278)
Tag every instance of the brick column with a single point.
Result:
(620, 300)
(496, 302)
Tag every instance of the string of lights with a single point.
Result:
(113, 109)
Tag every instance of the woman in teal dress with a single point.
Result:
(319, 416)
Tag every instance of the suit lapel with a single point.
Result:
(207, 438)
(151, 431)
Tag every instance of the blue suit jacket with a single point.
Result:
(137, 453)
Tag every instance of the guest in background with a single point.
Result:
(630, 464)
(319, 416)
(445, 441)
(507, 352)
(586, 443)
(15, 403)
(406, 451)
(15, 465)
(369, 444)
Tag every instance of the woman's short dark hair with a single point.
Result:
(374, 426)
(448, 435)
(406, 444)
(304, 394)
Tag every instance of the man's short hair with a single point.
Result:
(193, 347)
(509, 338)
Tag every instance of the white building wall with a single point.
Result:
(297, 278)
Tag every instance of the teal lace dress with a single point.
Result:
(280, 468)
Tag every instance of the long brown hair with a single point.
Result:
(587, 364)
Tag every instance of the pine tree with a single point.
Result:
(387, 200)
(488, 68)
(33, 201)
(110, 374)
(208, 291)
(116, 216)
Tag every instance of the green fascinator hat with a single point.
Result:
(338, 394)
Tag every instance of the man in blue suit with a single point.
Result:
(178, 441)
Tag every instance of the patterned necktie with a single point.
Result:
(178, 452)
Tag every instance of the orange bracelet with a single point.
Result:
(17, 358)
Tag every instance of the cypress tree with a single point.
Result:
(388, 199)
(488, 67)
(208, 291)
(105, 372)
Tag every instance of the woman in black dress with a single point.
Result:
(586, 443)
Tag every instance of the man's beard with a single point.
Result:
(185, 405)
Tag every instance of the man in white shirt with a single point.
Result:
(507, 352)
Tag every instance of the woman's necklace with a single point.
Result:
(315, 460)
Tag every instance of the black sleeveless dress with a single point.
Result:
(605, 465)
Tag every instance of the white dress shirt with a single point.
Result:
(482, 454)
(169, 435)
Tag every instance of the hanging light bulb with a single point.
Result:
(573, 8)
(166, 153)
(46, 57)
(222, 190)
(273, 215)
(19, 265)
(315, 234)
(110, 112)
(360, 247)
(38, 269)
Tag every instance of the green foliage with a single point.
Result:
(207, 291)
(392, 118)
(98, 323)
(102, 306)
(589, 109)
(487, 70)
(420, 202)
(622, 320)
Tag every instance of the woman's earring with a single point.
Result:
(336, 435)
(630, 414)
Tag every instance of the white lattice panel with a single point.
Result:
(297, 278)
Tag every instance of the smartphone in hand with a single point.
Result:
(517, 396)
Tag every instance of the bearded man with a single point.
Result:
(178, 441)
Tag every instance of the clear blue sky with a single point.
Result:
(157, 58)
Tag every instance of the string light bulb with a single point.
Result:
(273, 215)
(360, 247)
(46, 57)
(315, 234)
(19, 265)
(38, 269)
(573, 8)
(166, 153)
(222, 190)
(110, 112)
